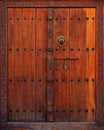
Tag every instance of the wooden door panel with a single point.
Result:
(29, 84)
(90, 62)
(26, 61)
(13, 59)
(82, 26)
(77, 68)
(61, 76)
(71, 94)
(26, 65)
(41, 42)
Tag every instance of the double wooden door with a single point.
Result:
(51, 64)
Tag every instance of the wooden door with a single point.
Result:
(74, 88)
(27, 38)
(51, 64)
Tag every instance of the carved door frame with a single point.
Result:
(99, 56)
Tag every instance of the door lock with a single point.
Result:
(66, 65)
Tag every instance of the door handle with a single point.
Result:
(66, 58)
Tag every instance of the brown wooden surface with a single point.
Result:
(77, 68)
(61, 76)
(41, 40)
(52, 126)
(74, 88)
(99, 61)
(13, 57)
(90, 58)
(26, 91)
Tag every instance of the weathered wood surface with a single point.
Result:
(72, 95)
(92, 75)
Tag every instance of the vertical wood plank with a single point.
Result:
(77, 68)
(20, 63)
(33, 63)
(12, 72)
(41, 41)
(61, 76)
(26, 65)
(90, 62)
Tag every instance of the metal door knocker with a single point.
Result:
(61, 41)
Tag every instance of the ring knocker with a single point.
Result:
(61, 41)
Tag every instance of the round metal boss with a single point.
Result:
(61, 41)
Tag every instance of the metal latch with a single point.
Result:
(66, 58)
(65, 66)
